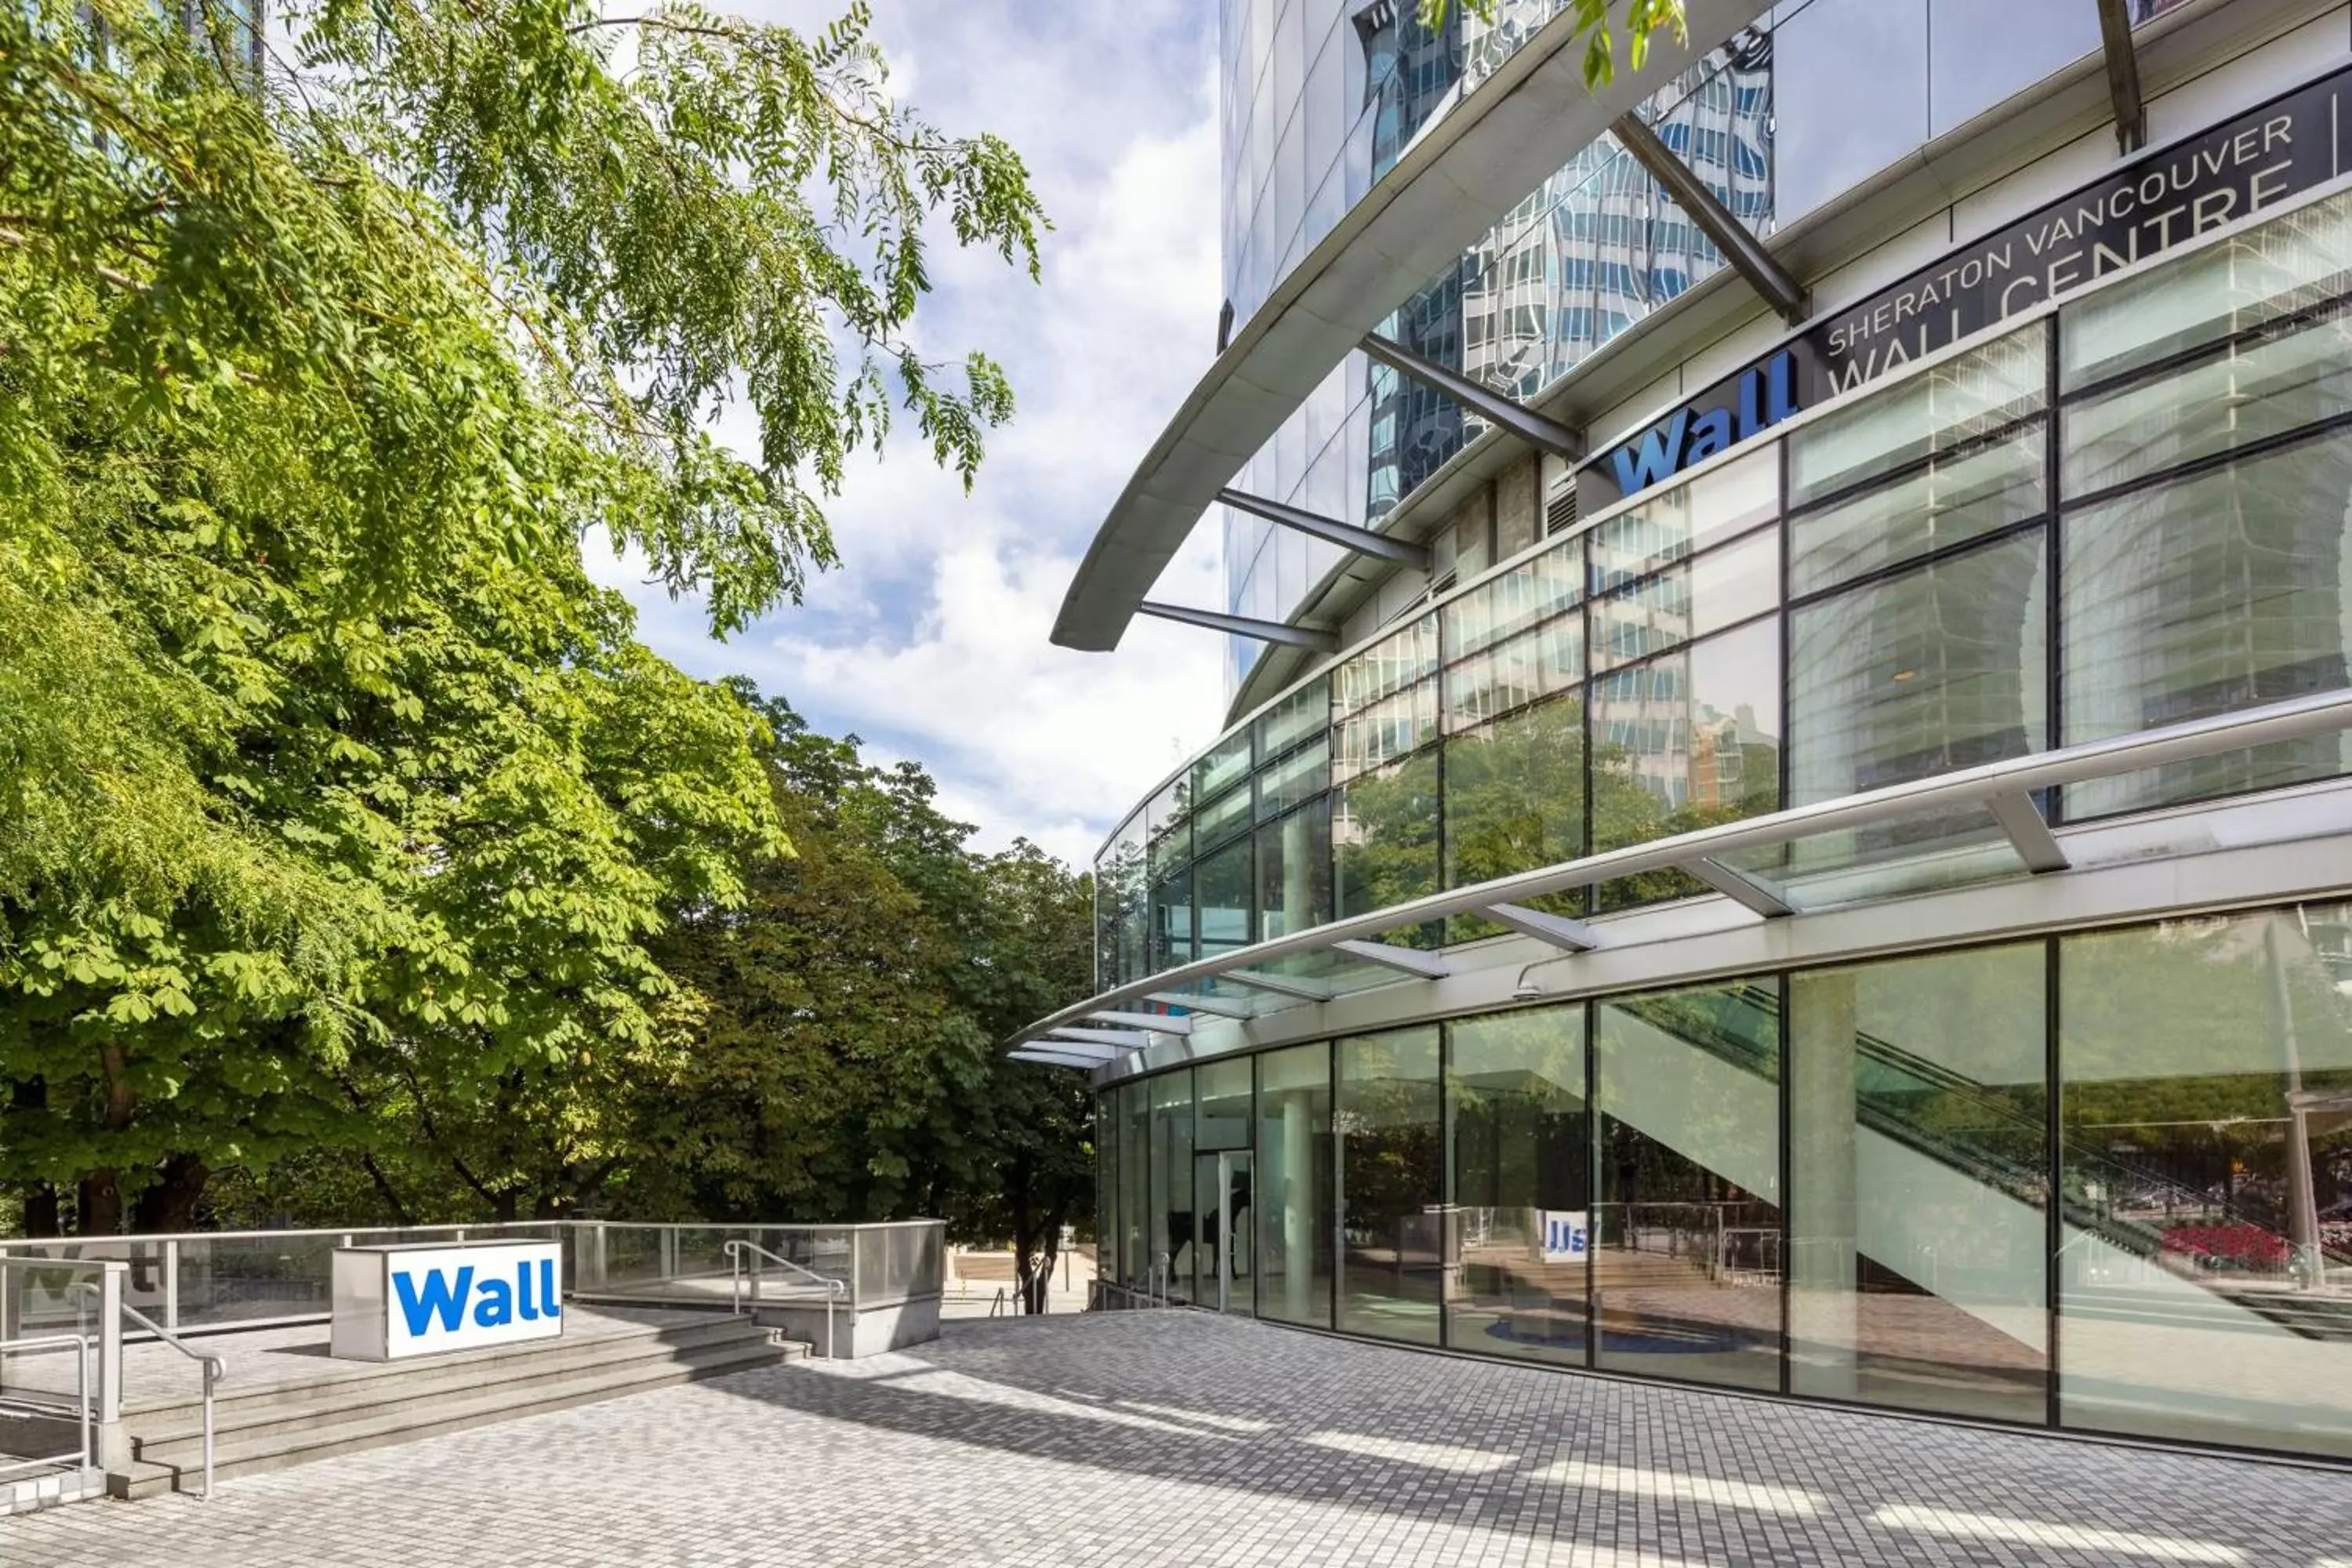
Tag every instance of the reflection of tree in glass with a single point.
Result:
(1384, 839)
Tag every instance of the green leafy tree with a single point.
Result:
(1598, 22)
(337, 807)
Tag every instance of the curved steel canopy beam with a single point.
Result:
(1470, 167)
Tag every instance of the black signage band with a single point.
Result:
(2292, 143)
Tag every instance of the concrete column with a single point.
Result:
(1297, 1209)
(1824, 1321)
(1297, 875)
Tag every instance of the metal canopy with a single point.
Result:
(2122, 77)
(1243, 626)
(1157, 1023)
(1478, 397)
(1460, 175)
(1127, 1039)
(1221, 1007)
(1330, 530)
(1574, 936)
(1982, 790)
(1053, 1059)
(1300, 988)
(1744, 250)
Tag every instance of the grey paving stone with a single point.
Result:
(1185, 1439)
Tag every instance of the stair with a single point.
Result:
(369, 1406)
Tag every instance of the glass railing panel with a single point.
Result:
(237, 1279)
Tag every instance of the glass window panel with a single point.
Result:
(1294, 872)
(1714, 590)
(1548, 659)
(1107, 1174)
(1391, 1217)
(1966, 397)
(1388, 667)
(1120, 903)
(1299, 778)
(1223, 766)
(1169, 823)
(1686, 1240)
(1219, 819)
(1520, 1147)
(1939, 669)
(1385, 729)
(1384, 836)
(1171, 921)
(2206, 1107)
(2221, 590)
(2279, 268)
(1684, 519)
(1950, 501)
(1528, 595)
(1134, 1183)
(1515, 802)
(1305, 712)
(1172, 1181)
(1919, 1184)
(1295, 1218)
(1684, 742)
(1222, 898)
(1220, 1105)
(2255, 390)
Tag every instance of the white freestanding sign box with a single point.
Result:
(422, 1299)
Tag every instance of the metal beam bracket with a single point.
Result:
(1410, 961)
(1479, 398)
(1574, 936)
(1740, 888)
(1243, 625)
(1744, 250)
(2029, 832)
(1330, 530)
(2122, 77)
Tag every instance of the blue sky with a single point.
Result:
(929, 640)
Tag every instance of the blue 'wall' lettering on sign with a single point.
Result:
(1764, 396)
(436, 1299)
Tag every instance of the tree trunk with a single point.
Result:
(98, 1205)
(170, 1204)
(41, 1211)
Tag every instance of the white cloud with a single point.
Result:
(931, 640)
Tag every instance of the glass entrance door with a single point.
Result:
(1223, 1259)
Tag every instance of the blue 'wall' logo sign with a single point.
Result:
(1761, 398)
(447, 1299)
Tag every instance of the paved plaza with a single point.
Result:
(1179, 1438)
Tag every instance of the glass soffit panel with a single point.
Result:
(1344, 975)
(1929, 851)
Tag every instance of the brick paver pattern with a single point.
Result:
(1181, 1438)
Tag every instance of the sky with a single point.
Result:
(929, 641)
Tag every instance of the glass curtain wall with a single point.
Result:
(1519, 1142)
(1601, 1182)
(2130, 514)
(1391, 1215)
(1918, 1201)
(1686, 1234)
(1297, 1221)
(2205, 1072)
(1173, 1230)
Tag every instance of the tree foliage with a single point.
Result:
(1595, 24)
(338, 807)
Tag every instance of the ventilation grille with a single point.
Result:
(1559, 512)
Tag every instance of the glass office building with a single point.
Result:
(1843, 888)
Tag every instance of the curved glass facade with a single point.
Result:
(2101, 1181)
(2014, 549)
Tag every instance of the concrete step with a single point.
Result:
(165, 1460)
(342, 1384)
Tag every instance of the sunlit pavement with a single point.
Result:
(1176, 1437)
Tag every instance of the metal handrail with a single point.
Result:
(834, 1288)
(214, 1369)
(86, 1455)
